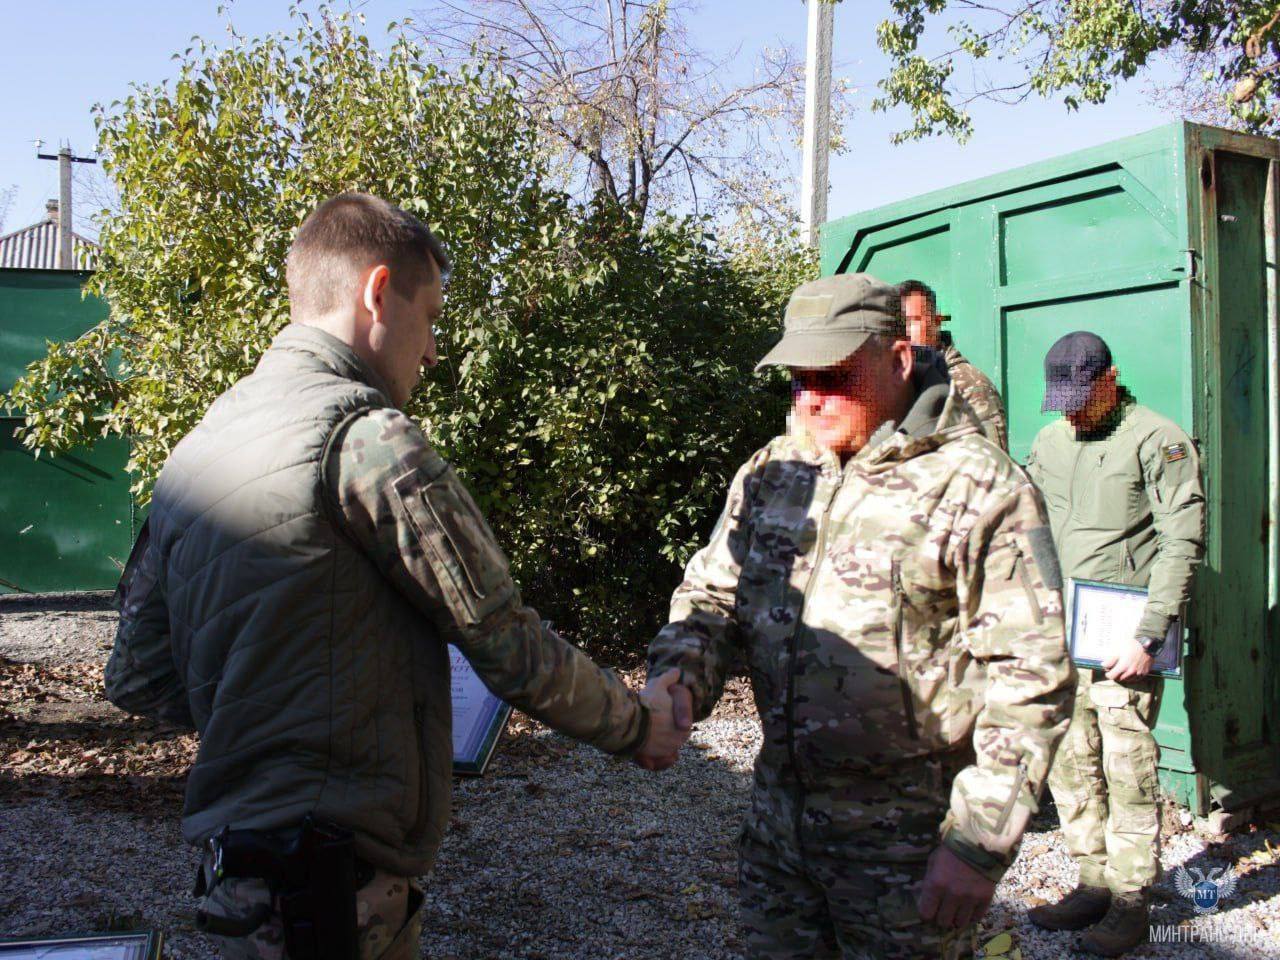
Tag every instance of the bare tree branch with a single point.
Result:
(629, 108)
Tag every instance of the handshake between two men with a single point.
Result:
(670, 709)
(906, 652)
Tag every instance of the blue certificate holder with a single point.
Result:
(1101, 615)
(478, 717)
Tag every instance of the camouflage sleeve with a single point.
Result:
(1171, 473)
(985, 400)
(1009, 590)
(140, 675)
(997, 426)
(981, 394)
(702, 636)
(407, 509)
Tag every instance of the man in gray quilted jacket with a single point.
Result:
(307, 560)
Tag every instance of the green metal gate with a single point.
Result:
(1164, 244)
(66, 523)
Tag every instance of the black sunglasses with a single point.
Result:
(828, 380)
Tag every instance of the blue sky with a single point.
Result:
(60, 57)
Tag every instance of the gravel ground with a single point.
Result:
(557, 852)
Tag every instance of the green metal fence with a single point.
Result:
(66, 522)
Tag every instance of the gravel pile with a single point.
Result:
(58, 630)
(557, 852)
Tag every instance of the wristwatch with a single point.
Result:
(1153, 645)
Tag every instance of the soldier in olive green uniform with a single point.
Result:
(1122, 485)
(307, 559)
(888, 574)
(924, 326)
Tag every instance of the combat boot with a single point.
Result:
(1122, 929)
(1082, 907)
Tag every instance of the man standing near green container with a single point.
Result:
(924, 327)
(1125, 500)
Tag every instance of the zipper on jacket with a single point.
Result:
(420, 822)
(1020, 568)
(1007, 812)
(1071, 487)
(793, 643)
(1128, 559)
(899, 603)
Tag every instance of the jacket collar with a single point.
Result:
(331, 352)
(938, 415)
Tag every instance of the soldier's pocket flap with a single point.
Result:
(1104, 693)
(470, 568)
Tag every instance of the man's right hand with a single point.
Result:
(670, 717)
(953, 894)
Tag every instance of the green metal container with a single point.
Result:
(66, 522)
(1165, 244)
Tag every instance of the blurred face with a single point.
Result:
(923, 322)
(1102, 400)
(401, 334)
(841, 406)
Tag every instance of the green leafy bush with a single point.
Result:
(596, 387)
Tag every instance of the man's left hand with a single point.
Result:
(953, 894)
(1129, 663)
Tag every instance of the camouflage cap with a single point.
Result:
(829, 318)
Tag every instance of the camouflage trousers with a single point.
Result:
(387, 929)
(1104, 783)
(835, 873)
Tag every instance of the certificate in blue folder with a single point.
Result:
(1100, 615)
(478, 717)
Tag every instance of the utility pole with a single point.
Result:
(66, 260)
(817, 121)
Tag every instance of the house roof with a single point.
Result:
(36, 247)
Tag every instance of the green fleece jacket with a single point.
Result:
(1126, 505)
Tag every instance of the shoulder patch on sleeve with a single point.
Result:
(1173, 452)
(460, 548)
(1046, 556)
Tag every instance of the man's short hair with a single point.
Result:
(349, 233)
(907, 287)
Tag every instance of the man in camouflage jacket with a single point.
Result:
(924, 327)
(888, 575)
(307, 560)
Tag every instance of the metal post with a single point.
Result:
(1271, 243)
(817, 121)
(65, 259)
(66, 239)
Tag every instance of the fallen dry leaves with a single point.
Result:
(59, 734)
